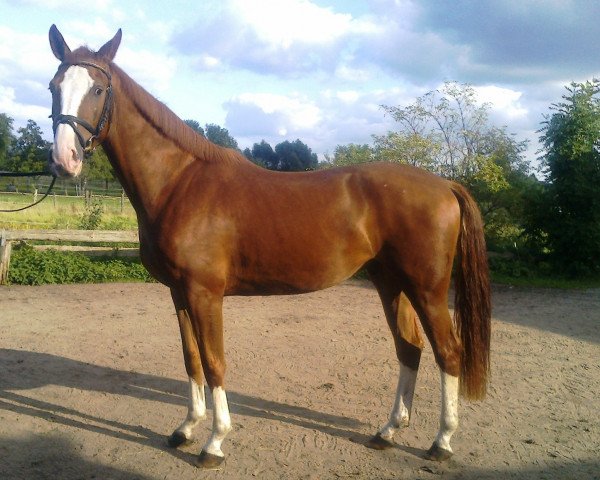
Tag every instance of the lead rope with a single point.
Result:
(32, 174)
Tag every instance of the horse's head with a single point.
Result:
(81, 101)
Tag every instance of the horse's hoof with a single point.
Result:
(208, 461)
(437, 453)
(177, 439)
(377, 442)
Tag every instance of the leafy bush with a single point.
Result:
(92, 217)
(33, 267)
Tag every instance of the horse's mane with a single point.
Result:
(162, 118)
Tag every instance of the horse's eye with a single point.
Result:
(98, 91)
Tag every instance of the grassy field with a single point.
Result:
(59, 211)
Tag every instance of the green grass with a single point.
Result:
(546, 281)
(522, 273)
(60, 212)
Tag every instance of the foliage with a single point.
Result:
(287, 157)
(7, 139)
(263, 154)
(215, 133)
(220, 136)
(32, 267)
(92, 217)
(524, 273)
(567, 221)
(446, 131)
(408, 148)
(195, 125)
(351, 154)
(295, 156)
(98, 167)
(28, 151)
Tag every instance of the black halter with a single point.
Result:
(71, 120)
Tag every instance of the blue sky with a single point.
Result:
(317, 70)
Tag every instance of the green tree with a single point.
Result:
(263, 154)
(7, 139)
(409, 148)
(97, 167)
(220, 136)
(194, 125)
(30, 151)
(443, 131)
(214, 133)
(571, 159)
(295, 156)
(351, 154)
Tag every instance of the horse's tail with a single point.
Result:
(472, 302)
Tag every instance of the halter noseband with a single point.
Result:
(71, 120)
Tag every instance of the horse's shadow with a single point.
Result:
(24, 370)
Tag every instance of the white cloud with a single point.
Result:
(284, 23)
(348, 96)
(68, 5)
(279, 114)
(283, 37)
(154, 71)
(502, 99)
(334, 117)
(24, 55)
(21, 112)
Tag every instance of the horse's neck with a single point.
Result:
(147, 163)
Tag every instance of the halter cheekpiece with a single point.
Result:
(71, 120)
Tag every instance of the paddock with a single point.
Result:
(83, 394)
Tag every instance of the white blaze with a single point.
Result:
(75, 85)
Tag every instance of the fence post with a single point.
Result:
(5, 250)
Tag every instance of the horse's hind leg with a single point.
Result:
(436, 321)
(191, 356)
(402, 321)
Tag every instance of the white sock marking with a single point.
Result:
(221, 422)
(196, 409)
(400, 415)
(449, 413)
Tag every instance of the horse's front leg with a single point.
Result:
(206, 314)
(193, 367)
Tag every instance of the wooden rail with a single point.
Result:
(7, 237)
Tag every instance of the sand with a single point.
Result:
(92, 382)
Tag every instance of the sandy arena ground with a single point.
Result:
(92, 382)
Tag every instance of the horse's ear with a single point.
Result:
(58, 44)
(109, 49)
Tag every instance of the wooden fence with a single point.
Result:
(79, 236)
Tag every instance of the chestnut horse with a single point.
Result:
(212, 224)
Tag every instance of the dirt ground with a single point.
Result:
(92, 382)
